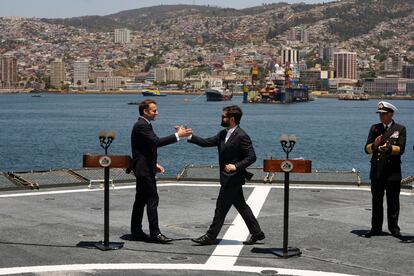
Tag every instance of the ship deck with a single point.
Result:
(50, 231)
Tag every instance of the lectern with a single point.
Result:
(106, 162)
(286, 166)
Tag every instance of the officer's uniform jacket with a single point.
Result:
(386, 166)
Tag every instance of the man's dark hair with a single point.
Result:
(145, 105)
(235, 112)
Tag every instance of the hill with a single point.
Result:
(342, 19)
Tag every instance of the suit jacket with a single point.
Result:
(386, 166)
(238, 151)
(144, 144)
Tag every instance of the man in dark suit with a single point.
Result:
(144, 144)
(236, 153)
(386, 143)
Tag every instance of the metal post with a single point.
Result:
(105, 141)
(286, 216)
(106, 207)
(286, 251)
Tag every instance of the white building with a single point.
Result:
(108, 83)
(169, 74)
(122, 36)
(289, 55)
(81, 72)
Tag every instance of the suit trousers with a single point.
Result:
(392, 189)
(232, 195)
(146, 194)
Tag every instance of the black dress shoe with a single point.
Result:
(396, 234)
(204, 240)
(373, 233)
(254, 238)
(160, 238)
(140, 236)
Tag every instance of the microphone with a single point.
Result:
(111, 135)
(102, 135)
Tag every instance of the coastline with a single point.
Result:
(183, 92)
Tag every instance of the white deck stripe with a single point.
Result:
(229, 248)
(137, 266)
(304, 187)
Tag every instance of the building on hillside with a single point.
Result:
(393, 64)
(168, 74)
(122, 36)
(298, 34)
(390, 85)
(326, 53)
(345, 65)
(311, 78)
(289, 55)
(408, 71)
(100, 73)
(110, 83)
(81, 72)
(57, 73)
(8, 71)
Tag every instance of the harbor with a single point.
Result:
(52, 209)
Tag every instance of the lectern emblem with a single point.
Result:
(105, 161)
(286, 166)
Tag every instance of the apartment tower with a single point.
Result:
(81, 72)
(345, 65)
(8, 71)
(57, 73)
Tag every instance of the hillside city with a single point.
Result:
(188, 50)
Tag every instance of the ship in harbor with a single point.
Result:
(218, 92)
(279, 90)
(153, 92)
(348, 93)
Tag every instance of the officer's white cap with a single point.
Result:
(384, 107)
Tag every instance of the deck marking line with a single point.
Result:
(154, 266)
(229, 248)
(305, 187)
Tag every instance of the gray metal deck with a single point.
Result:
(41, 231)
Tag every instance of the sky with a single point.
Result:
(74, 8)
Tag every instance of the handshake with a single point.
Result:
(183, 131)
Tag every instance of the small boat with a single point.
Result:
(218, 93)
(353, 97)
(349, 93)
(152, 92)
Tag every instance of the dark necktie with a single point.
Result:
(385, 129)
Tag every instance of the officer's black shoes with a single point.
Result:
(373, 233)
(254, 238)
(204, 240)
(160, 238)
